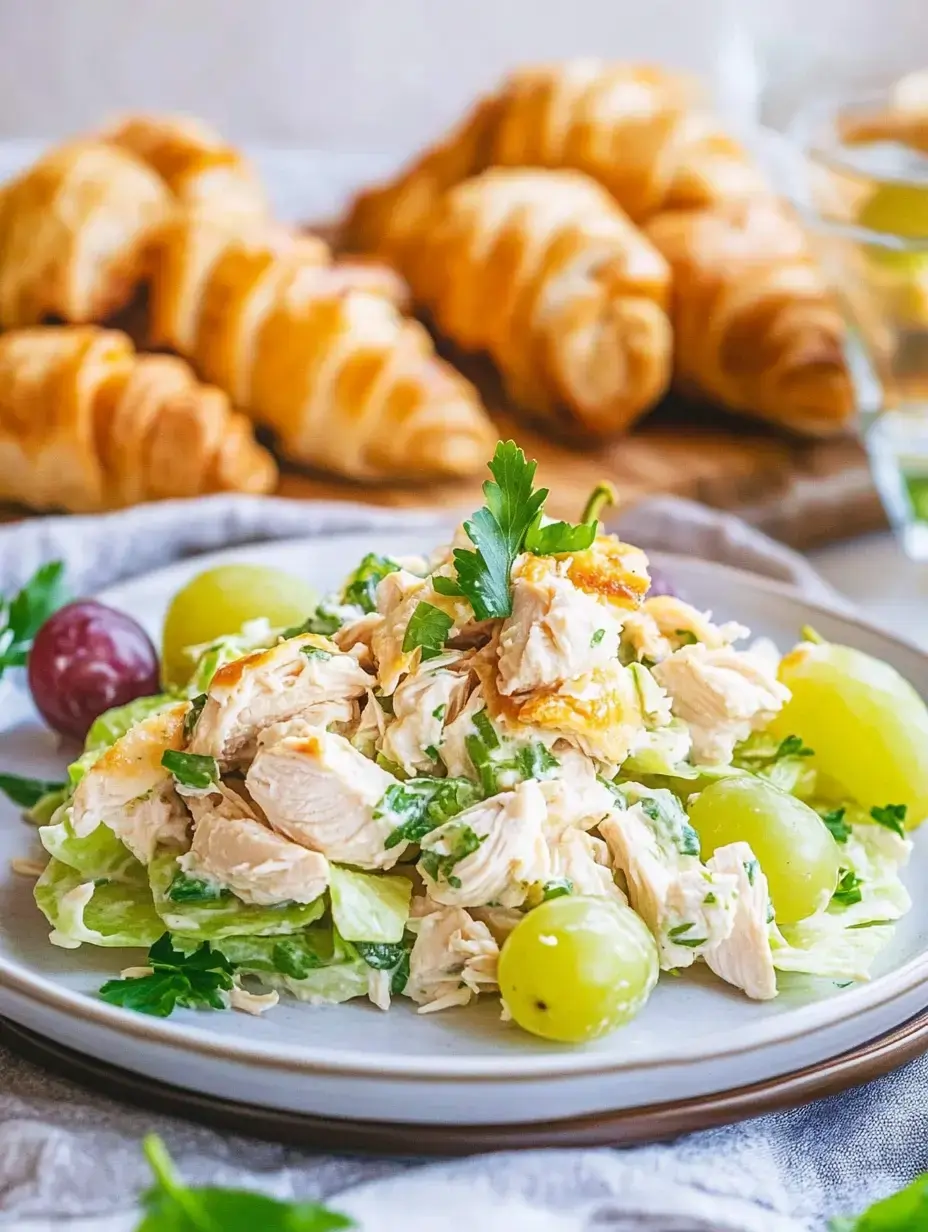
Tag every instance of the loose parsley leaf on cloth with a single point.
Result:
(361, 586)
(848, 892)
(27, 792)
(428, 628)
(22, 616)
(195, 980)
(834, 820)
(191, 769)
(171, 1207)
(892, 816)
(906, 1211)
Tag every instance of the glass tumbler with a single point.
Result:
(863, 192)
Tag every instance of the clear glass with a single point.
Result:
(864, 196)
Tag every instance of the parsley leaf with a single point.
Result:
(461, 842)
(184, 889)
(834, 820)
(906, 1211)
(498, 532)
(447, 586)
(428, 628)
(393, 958)
(848, 892)
(558, 537)
(597, 637)
(195, 980)
(361, 586)
(534, 761)
(315, 652)
(22, 616)
(892, 816)
(27, 792)
(192, 717)
(322, 621)
(171, 1207)
(191, 769)
(423, 804)
(792, 746)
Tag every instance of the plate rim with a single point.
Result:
(803, 1021)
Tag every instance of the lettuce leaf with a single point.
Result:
(225, 916)
(98, 856)
(109, 913)
(112, 724)
(369, 908)
(253, 635)
(315, 965)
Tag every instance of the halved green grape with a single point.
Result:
(867, 725)
(792, 843)
(575, 968)
(219, 601)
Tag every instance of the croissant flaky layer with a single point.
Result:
(317, 352)
(641, 132)
(87, 424)
(754, 325)
(545, 273)
(193, 160)
(75, 233)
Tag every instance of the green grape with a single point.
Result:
(792, 843)
(575, 968)
(867, 725)
(220, 601)
(901, 210)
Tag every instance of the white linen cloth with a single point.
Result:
(67, 1153)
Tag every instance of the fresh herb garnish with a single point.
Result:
(558, 537)
(196, 981)
(439, 712)
(792, 746)
(848, 892)
(447, 586)
(710, 900)
(557, 887)
(171, 1207)
(432, 752)
(665, 810)
(597, 637)
(834, 820)
(461, 842)
(192, 717)
(185, 889)
(316, 652)
(322, 621)
(905, 1211)
(428, 628)
(892, 816)
(191, 769)
(485, 729)
(424, 804)
(534, 761)
(22, 616)
(295, 960)
(361, 586)
(27, 792)
(678, 936)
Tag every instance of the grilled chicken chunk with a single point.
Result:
(722, 695)
(575, 797)
(319, 791)
(453, 959)
(665, 623)
(490, 853)
(130, 791)
(302, 676)
(744, 957)
(686, 907)
(556, 632)
(583, 860)
(236, 850)
(423, 702)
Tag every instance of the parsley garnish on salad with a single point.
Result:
(892, 816)
(848, 892)
(428, 629)
(361, 587)
(196, 981)
(834, 820)
(191, 770)
(461, 842)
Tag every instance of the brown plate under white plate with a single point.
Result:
(630, 1127)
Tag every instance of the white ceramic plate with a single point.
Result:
(695, 1037)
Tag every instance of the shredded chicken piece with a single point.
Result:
(319, 791)
(723, 695)
(744, 957)
(398, 596)
(510, 855)
(378, 988)
(583, 860)
(252, 1002)
(130, 791)
(422, 703)
(302, 676)
(574, 796)
(234, 849)
(453, 959)
(356, 636)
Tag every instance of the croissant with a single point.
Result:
(192, 159)
(754, 325)
(317, 352)
(542, 270)
(75, 232)
(87, 424)
(639, 131)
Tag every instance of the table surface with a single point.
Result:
(874, 574)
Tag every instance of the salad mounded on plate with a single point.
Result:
(506, 770)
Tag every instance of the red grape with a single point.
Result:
(85, 659)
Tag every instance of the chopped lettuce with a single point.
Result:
(99, 855)
(109, 913)
(315, 965)
(45, 808)
(367, 907)
(112, 724)
(224, 916)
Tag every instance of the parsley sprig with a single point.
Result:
(848, 892)
(196, 981)
(361, 586)
(22, 616)
(27, 792)
(424, 804)
(428, 628)
(171, 1207)
(906, 1211)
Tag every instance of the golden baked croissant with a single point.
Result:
(638, 130)
(542, 270)
(754, 325)
(198, 167)
(87, 424)
(75, 231)
(317, 352)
